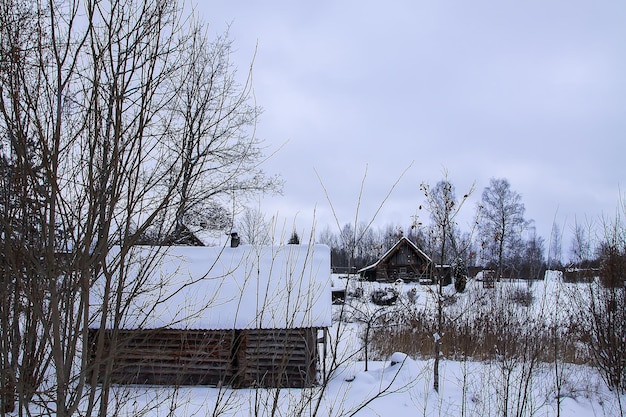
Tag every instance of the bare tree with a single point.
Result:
(442, 203)
(105, 136)
(216, 151)
(598, 307)
(253, 228)
(327, 237)
(532, 262)
(581, 248)
(555, 258)
(501, 222)
(606, 312)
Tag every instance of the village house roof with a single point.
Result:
(403, 241)
(247, 287)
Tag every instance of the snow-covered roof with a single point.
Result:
(249, 286)
(392, 249)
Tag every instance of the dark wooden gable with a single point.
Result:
(182, 236)
(403, 261)
(402, 256)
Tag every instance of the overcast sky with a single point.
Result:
(531, 91)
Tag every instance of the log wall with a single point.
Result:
(239, 358)
(171, 357)
(278, 358)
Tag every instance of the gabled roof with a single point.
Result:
(248, 287)
(403, 241)
(183, 236)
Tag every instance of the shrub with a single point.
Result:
(522, 296)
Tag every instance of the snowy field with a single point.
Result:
(402, 386)
(401, 389)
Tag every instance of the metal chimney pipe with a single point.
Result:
(234, 240)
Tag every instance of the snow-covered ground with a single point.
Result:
(402, 386)
(388, 388)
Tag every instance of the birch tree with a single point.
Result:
(501, 222)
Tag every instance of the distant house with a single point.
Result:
(240, 316)
(183, 236)
(573, 274)
(403, 261)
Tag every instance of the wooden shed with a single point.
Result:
(244, 317)
(403, 261)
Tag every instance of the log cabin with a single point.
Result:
(404, 260)
(244, 316)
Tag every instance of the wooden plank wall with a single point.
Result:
(278, 358)
(168, 357)
(241, 358)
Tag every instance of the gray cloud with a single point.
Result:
(532, 91)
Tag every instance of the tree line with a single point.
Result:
(499, 236)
